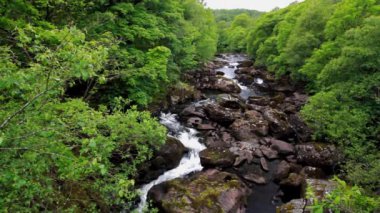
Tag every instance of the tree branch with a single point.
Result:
(6, 121)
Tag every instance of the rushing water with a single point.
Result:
(191, 162)
(229, 72)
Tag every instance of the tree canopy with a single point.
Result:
(330, 46)
(74, 78)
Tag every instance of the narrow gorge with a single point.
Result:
(245, 147)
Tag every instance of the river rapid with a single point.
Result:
(267, 137)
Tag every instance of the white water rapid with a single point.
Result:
(229, 72)
(191, 162)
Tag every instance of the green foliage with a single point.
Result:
(230, 14)
(233, 28)
(330, 45)
(344, 198)
(233, 37)
(70, 72)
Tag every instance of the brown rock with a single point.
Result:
(293, 180)
(258, 179)
(208, 191)
(264, 164)
(282, 147)
(221, 115)
(278, 123)
(216, 158)
(282, 171)
(251, 125)
(313, 172)
(204, 127)
(247, 63)
(269, 153)
(317, 154)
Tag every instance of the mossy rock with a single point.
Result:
(217, 158)
(210, 191)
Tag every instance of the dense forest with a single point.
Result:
(233, 27)
(330, 47)
(74, 78)
(77, 78)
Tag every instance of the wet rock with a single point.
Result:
(313, 172)
(245, 79)
(193, 111)
(226, 137)
(205, 127)
(229, 101)
(269, 153)
(250, 126)
(209, 191)
(291, 158)
(258, 153)
(317, 154)
(217, 158)
(247, 63)
(293, 180)
(244, 71)
(282, 171)
(264, 164)
(221, 140)
(282, 147)
(255, 178)
(243, 156)
(221, 115)
(259, 100)
(278, 123)
(220, 73)
(194, 121)
(250, 145)
(182, 92)
(225, 85)
(241, 130)
(172, 151)
(168, 157)
(295, 168)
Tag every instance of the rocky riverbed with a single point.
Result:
(259, 153)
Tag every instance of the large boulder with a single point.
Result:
(278, 123)
(301, 131)
(282, 147)
(317, 154)
(246, 63)
(259, 100)
(221, 115)
(192, 111)
(217, 158)
(225, 85)
(182, 92)
(250, 126)
(166, 158)
(282, 172)
(209, 191)
(218, 139)
(230, 101)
